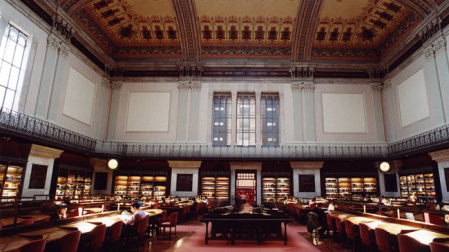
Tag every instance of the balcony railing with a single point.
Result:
(37, 130)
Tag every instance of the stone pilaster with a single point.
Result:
(297, 112)
(183, 88)
(376, 88)
(194, 111)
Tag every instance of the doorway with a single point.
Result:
(245, 187)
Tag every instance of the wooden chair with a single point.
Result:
(408, 244)
(366, 237)
(33, 246)
(142, 229)
(433, 219)
(339, 228)
(113, 234)
(439, 247)
(172, 221)
(70, 241)
(383, 240)
(98, 235)
(350, 233)
(331, 224)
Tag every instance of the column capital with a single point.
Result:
(105, 82)
(440, 45)
(183, 86)
(440, 156)
(116, 85)
(33, 41)
(64, 51)
(376, 87)
(195, 86)
(387, 83)
(53, 42)
(296, 87)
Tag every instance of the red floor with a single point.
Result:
(190, 238)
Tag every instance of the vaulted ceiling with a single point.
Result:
(291, 31)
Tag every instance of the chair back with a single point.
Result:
(339, 224)
(26, 222)
(163, 216)
(364, 234)
(382, 240)
(348, 229)
(70, 241)
(173, 218)
(116, 231)
(407, 243)
(98, 234)
(439, 247)
(33, 246)
(330, 221)
(433, 219)
(142, 225)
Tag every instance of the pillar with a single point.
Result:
(194, 111)
(181, 129)
(376, 88)
(297, 112)
(116, 87)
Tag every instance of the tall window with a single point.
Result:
(12, 50)
(222, 119)
(269, 117)
(246, 119)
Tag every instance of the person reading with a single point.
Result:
(130, 223)
(61, 212)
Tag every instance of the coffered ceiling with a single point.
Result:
(228, 30)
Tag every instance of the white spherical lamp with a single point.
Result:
(112, 164)
(384, 166)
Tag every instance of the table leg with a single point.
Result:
(285, 233)
(207, 232)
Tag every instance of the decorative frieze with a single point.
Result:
(64, 51)
(53, 42)
(387, 84)
(189, 86)
(303, 87)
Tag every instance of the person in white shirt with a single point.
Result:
(331, 206)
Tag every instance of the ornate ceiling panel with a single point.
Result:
(295, 30)
(358, 29)
(133, 28)
(250, 28)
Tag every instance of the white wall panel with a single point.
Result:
(79, 97)
(344, 113)
(412, 95)
(148, 111)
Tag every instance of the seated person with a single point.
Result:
(130, 223)
(61, 212)
(321, 219)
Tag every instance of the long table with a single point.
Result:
(260, 225)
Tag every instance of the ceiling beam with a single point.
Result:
(303, 35)
(188, 29)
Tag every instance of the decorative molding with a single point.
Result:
(64, 51)
(53, 42)
(296, 87)
(308, 87)
(387, 84)
(184, 86)
(440, 45)
(44, 152)
(306, 165)
(195, 86)
(429, 52)
(116, 85)
(376, 87)
(105, 82)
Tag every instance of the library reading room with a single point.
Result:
(224, 125)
